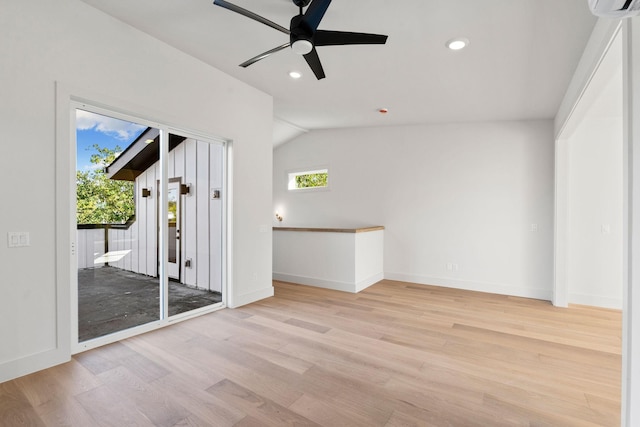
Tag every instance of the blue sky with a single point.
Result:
(105, 131)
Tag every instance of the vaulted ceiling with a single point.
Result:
(520, 59)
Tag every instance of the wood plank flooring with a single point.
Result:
(396, 354)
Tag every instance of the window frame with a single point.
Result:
(292, 173)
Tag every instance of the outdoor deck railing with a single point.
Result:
(95, 243)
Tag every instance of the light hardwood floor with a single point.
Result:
(396, 354)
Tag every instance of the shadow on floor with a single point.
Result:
(112, 300)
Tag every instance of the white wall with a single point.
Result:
(589, 199)
(94, 56)
(596, 57)
(343, 261)
(460, 194)
(595, 213)
(631, 260)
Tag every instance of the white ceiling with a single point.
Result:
(521, 56)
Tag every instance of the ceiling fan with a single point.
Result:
(303, 33)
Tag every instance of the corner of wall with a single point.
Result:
(250, 297)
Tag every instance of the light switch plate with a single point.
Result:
(17, 239)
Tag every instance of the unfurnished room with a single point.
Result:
(316, 212)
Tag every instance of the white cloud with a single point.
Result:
(94, 167)
(120, 129)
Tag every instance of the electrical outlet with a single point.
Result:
(534, 227)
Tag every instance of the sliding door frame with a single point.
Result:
(70, 189)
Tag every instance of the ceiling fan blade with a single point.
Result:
(315, 12)
(251, 15)
(334, 38)
(264, 55)
(313, 60)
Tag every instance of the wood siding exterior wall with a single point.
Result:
(200, 165)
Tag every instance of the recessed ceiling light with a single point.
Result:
(295, 74)
(457, 43)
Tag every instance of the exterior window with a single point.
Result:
(308, 180)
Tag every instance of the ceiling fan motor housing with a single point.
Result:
(301, 36)
(304, 34)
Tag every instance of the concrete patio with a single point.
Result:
(111, 300)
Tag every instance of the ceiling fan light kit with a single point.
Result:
(303, 33)
(302, 47)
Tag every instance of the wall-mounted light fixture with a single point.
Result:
(146, 192)
(279, 217)
(185, 189)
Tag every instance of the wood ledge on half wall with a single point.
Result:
(331, 230)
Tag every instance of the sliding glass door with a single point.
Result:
(150, 226)
(195, 223)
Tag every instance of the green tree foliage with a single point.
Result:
(101, 200)
(312, 180)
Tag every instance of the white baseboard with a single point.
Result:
(493, 288)
(329, 284)
(248, 298)
(364, 284)
(596, 301)
(33, 363)
(312, 281)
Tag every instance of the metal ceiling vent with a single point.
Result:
(615, 8)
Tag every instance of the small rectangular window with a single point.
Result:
(306, 180)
